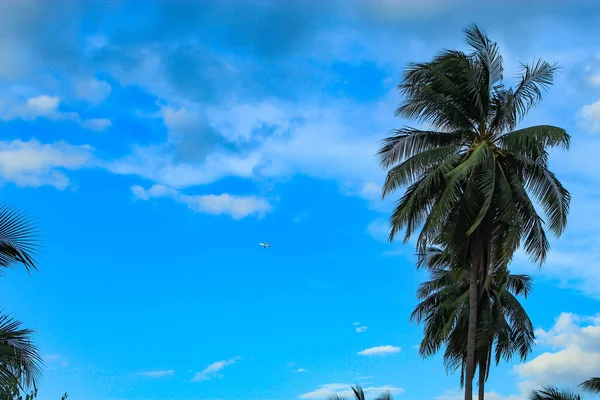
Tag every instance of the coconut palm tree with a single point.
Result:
(359, 394)
(503, 325)
(470, 174)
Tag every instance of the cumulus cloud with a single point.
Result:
(47, 107)
(595, 80)
(237, 207)
(572, 355)
(156, 374)
(36, 164)
(380, 351)
(344, 390)
(213, 370)
(92, 90)
(590, 117)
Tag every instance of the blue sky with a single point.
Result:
(156, 143)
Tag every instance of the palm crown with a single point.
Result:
(503, 327)
(473, 164)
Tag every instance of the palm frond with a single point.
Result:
(359, 394)
(20, 361)
(490, 60)
(414, 206)
(553, 393)
(591, 385)
(407, 142)
(387, 395)
(18, 239)
(530, 142)
(433, 93)
(535, 79)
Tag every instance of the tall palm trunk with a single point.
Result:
(481, 383)
(472, 331)
(478, 254)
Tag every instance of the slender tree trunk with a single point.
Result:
(481, 382)
(478, 248)
(472, 330)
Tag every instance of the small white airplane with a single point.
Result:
(265, 245)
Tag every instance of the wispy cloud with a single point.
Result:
(212, 371)
(299, 370)
(237, 207)
(55, 360)
(156, 374)
(380, 350)
(46, 107)
(361, 329)
(300, 217)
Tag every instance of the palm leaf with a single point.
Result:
(592, 385)
(534, 80)
(552, 393)
(20, 362)
(408, 142)
(18, 239)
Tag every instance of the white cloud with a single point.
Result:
(595, 80)
(96, 124)
(370, 189)
(243, 122)
(300, 370)
(379, 229)
(590, 117)
(158, 164)
(156, 374)
(573, 353)
(53, 360)
(213, 370)
(45, 106)
(380, 350)
(300, 217)
(265, 140)
(35, 164)
(92, 90)
(237, 207)
(361, 329)
(345, 390)
(356, 324)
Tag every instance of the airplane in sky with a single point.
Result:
(265, 245)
